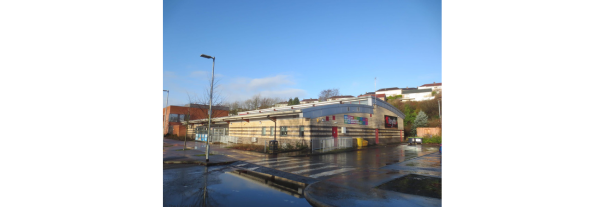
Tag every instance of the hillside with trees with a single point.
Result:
(427, 112)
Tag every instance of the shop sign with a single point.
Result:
(355, 120)
(390, 121)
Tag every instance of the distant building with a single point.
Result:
(334, 98)
(280, 104)
(372, 94)
(394, 91)
(433, 86)
(306, 101)
(417, 95)
(177, 114)
(389, 91)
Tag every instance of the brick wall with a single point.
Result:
(196, 113)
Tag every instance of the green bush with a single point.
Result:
(432, 140)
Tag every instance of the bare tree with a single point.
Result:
(327, 93)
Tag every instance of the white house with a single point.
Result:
(334, 98)
(306, 101)
(417, 95)
(433, 86)
(389, 91)
(281, 104)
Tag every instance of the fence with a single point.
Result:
(226, 139)
(330, 143)
(427, 131)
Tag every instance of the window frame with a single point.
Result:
(301, 131)
(283, 132)
(272, 129)
(264, 131)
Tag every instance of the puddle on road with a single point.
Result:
(229, 187)
(415, 184)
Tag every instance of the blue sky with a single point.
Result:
(298, 48)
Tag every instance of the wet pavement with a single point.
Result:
(226, 186)
(353, 171)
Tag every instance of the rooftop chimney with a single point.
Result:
(433, 82)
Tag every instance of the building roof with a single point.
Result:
(347, 96)
(431, 84)
(200, 106)
(417, 91)
(388, 89)
(309, 110)
(310, 99)
(379, 95)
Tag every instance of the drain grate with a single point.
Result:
(416, 185)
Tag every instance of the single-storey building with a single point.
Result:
(375, 121)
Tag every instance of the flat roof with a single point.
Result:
(310, 110)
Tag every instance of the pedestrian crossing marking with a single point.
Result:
(287, 168)
(293, 163)
(272, 162)
(268, 160)
(331, 172)
(307, 170)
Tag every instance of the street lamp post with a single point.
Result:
(165, 112)
(210, 110)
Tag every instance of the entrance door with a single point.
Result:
(335, 135)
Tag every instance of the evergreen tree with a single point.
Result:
(295, 101)
(421, 120)
(290, 102)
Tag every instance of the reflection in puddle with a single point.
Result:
(283, 185)
(221, 186)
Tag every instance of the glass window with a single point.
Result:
(173, 118)
(264, 131)
(272, 130)
(301, 130)
(283, 131)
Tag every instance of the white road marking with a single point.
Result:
(307, 170)
(272, 162)
(331, 172)
(292, 163)
(252, 168)
(287, 168)
(241, 164)
(268, 159)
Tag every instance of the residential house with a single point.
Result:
(334, 98)
(373, 94)
(306, 101)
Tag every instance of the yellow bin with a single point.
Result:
(361, 142)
